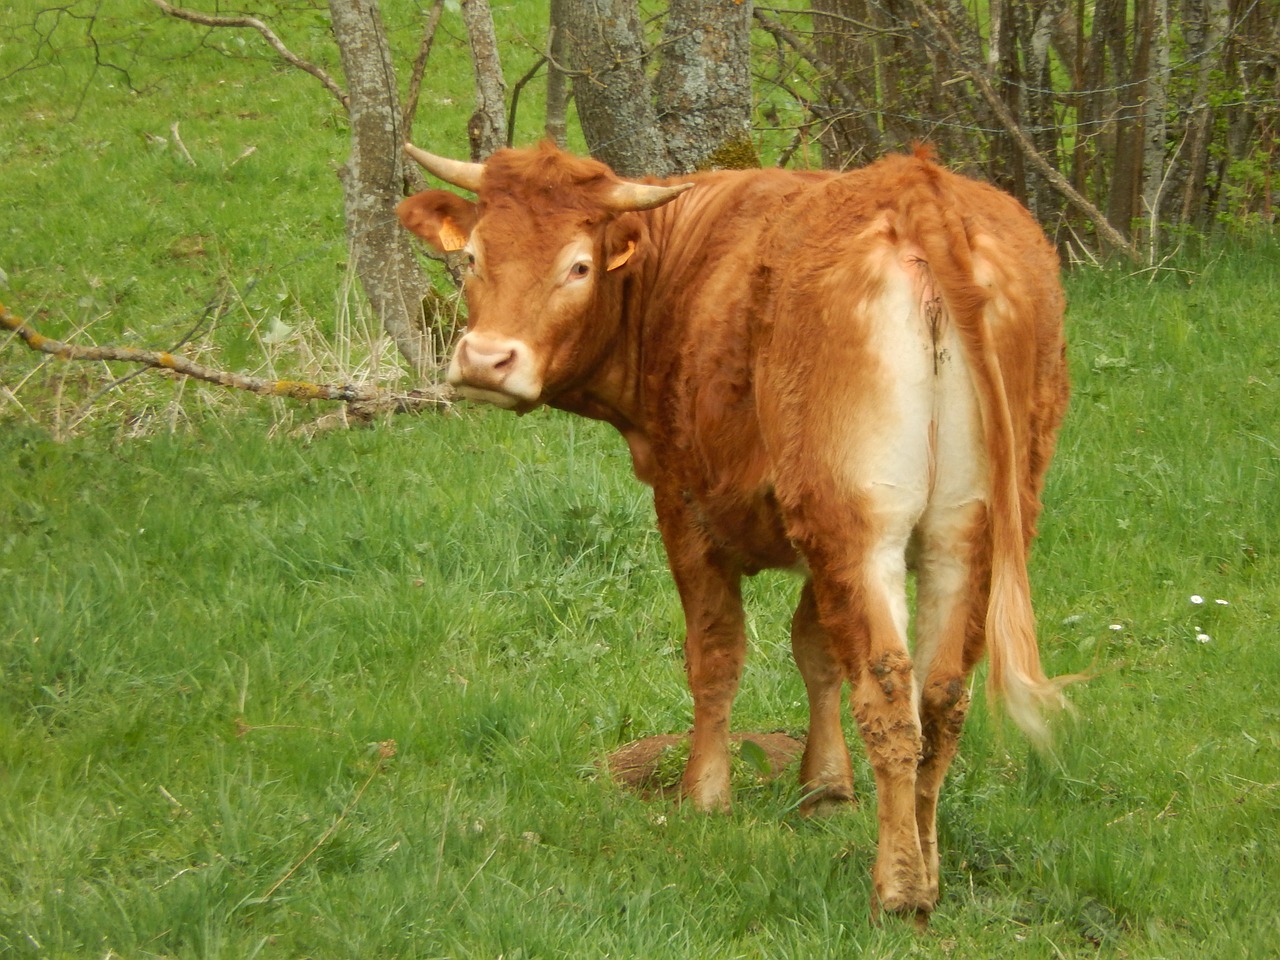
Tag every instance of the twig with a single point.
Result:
(365, 401)
(205, 20)
(248, 152)
(420, 69)
(182, 147)
(1028, 149)
(386, 750)
(515, 96)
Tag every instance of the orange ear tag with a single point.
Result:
(451, 238)
(622, 257)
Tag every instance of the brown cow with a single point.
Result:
(847, 376)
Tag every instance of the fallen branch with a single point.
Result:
(363, 401)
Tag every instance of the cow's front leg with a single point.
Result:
(714, 650)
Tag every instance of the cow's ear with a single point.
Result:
(441, 218)
(623, 238)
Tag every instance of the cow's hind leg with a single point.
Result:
(861, 597)
(953, 571)
(826, 773)
(952, 574)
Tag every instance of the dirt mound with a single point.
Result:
(652, 766)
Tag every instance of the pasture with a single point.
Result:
(266, 694)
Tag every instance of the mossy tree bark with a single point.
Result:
(704, 81)
(694, 111)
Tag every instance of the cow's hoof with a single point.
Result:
(915, 909)
(706, 798)
(828, 801)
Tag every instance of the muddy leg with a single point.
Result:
(952, 574)
(889, 724)
(943, 705)
(863, 605)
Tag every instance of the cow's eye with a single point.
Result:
(579, 270)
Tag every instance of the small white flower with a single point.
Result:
(1196, 598)
(1203, 637)
(1223, 603)
(1117, 626)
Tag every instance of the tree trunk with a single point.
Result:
(487, 129)
(1154, 121)
(1043, 25)
(615, 104)
(371, 179)
(704, 85)
(1126, 167)
(557, 88)
(1205, 22)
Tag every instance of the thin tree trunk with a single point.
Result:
(487, 128)
(1154, 180)
(557, 87)
(372, 178)
(1042, 24)
(1126, 167)
(1204, 25)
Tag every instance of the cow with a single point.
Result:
(849, 376)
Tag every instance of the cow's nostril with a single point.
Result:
(494, 364)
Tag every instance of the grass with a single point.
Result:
(346, 695)
(211, 635)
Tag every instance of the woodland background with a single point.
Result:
(271, 690)
(1128, 127)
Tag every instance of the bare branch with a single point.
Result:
(206, 20)
(978, 74)
(182, 147)
(515, 97)
(420, 68)
(363, 400)
(851, 100)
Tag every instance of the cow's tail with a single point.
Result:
(1016, 677)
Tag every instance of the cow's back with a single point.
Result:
(844, 239)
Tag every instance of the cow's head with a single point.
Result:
(546, 247)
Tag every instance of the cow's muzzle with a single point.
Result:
(497, 370)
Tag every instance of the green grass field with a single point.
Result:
(264, 695)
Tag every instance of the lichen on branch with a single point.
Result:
(364, 401)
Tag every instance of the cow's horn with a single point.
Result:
(642, 196)
(457, 172)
